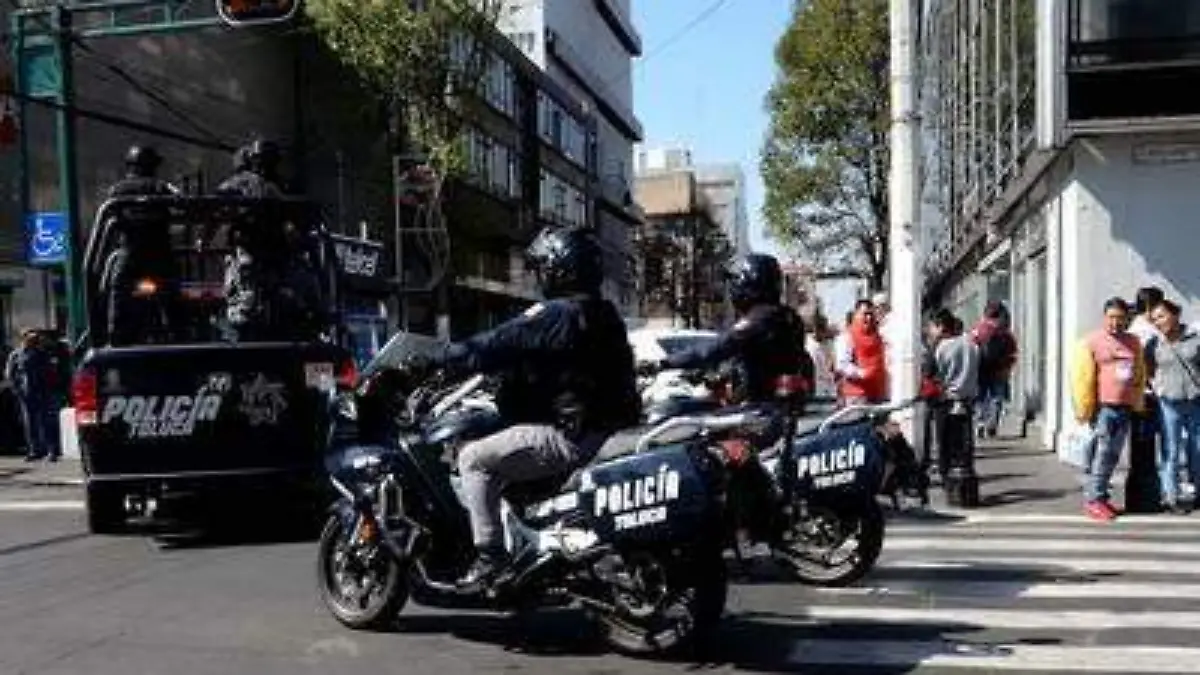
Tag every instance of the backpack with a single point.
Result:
(994, 353)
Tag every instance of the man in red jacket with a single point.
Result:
(862, 360)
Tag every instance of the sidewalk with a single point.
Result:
(1019, 475)
(66, 472)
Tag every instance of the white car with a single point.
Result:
(655, 344)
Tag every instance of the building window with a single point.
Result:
(560, 201)
(493, 166)
(525, 41)
(563, 131)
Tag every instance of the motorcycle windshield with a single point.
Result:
(400, 347)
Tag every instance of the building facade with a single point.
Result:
(198, 93)
(1060, 157)
(724, 186)
(681, 253)
(587, 47)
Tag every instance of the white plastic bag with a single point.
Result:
(1080, 447)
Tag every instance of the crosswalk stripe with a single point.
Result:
(1017, 590)
(46, 505)
(1006, 657)
(1008, 619)
(1055, 531)
(985, 562)
(962, 518)
(1108, 547)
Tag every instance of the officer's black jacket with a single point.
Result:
(766, 343)
(565, 362)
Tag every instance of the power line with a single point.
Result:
(116, 121)
(156, 97)
(704, 15)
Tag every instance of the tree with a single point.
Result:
(418, 57)
(682, 263)
(825, 160)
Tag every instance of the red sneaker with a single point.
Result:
(1099, 510)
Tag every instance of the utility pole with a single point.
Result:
(68, 176)
(904, 209)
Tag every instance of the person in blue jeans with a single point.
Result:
(1108, 387)
(1173, 359)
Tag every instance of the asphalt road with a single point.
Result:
(1002, 591)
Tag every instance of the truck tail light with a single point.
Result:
(85, 396)
(347, 374)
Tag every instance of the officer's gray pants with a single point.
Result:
(518, 454)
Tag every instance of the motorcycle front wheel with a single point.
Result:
(834, 547)
(665, 603)
(361, 583)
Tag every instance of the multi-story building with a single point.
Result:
(724, 185)
(197, 93)
(588, 47)
(681, 252)
(1062, 150)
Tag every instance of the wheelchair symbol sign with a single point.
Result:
(46, 237)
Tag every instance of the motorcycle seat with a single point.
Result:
(808, 428)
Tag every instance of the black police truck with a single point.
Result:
(210, 359)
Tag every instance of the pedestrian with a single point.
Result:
(956, 368)
(997, 356)
(1109, 378)
(861, 360)
(28, 368)
(1173, 362)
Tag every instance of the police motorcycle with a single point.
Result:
(805, 490)
(627, 537)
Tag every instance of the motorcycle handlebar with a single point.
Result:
(866, 408)
(707, 423)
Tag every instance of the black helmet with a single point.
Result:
(263, 155)
(241, 159)
(566, 261)
(142, 160)
(755, 279)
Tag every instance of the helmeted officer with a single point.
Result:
(567, 384)
(141, 174)
(765, 343)
(137, 280)
(256, 171)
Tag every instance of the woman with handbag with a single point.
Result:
(1173, 358)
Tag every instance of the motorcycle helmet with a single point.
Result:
(755, 279)
(142, 160)
(566, 261)
(263, 156)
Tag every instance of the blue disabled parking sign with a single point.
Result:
(46, 238)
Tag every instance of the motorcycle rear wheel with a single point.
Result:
(675, 605)
(868, 520)
(373, 609)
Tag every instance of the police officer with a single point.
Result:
(256, 171)
(766, 342)
(567, 384)
(142, 254)
(141, 174)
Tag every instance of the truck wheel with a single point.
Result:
(105, 509)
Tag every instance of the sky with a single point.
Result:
(706, 88)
